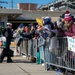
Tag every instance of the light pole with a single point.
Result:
(12, 4)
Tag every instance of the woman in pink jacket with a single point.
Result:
(68, 27)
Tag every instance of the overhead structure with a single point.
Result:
(59, 4)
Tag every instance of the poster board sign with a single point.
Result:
(71, 44)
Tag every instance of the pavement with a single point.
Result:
(23, 66)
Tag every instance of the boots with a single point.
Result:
(9, 60)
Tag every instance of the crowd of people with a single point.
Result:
(64, 26)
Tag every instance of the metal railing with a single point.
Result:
(60, 57)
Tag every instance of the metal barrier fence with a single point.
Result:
(28, 47)
(61, 57)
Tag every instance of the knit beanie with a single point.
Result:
(67, 16)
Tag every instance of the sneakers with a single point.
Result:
(58, 71)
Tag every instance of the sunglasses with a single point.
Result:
(8, 25)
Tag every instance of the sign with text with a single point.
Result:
(71, 44)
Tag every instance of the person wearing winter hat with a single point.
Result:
(68, 21)
(67, 13)
(67, 16)
(68, 27)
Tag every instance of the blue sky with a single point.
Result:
(39, 2)
(35, 1)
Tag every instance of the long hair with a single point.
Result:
(68, 25)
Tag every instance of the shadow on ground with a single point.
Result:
(21, 60)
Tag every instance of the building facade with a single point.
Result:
(27, 6)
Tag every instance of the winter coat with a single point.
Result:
(8, 33)
(69, 33)
(28, 36)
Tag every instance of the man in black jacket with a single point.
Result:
(6, 51)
